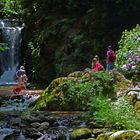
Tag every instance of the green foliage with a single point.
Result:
(35, 55)
(74, 92)
(128, 55)
(106, 82)
(10, 7)
(118, 115)
(78, 39)
(80, 92)
(3, 47)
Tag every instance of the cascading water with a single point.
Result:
(10, 35)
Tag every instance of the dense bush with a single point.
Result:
(128, 55)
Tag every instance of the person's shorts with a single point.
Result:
(110, 66)
(17, 90)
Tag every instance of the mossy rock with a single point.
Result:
(80, 133)
(96, 132)
(137, 108)
(96, 125)
(67, 93)
(121, 83)
(124, 134)
(52, 98)
(104, 136)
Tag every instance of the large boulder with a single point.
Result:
(123, 134)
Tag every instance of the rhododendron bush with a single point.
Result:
(128, 55)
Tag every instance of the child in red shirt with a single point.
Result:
(96, 66)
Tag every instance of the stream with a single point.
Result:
(18, 123)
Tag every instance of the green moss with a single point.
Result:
(121, 83)
(104, 136)
(80, 133)
(137, 108)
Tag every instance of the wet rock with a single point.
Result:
(36, 135)
(51, 120)
(43, 117)
(18, 97)
(29, 131)
(31, 119)
(15, 121)
(35, 125)
(22, 125)
(43, 126)
(57, 133)
(80, 133)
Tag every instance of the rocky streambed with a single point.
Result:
(17, 122)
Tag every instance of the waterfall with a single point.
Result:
(10, 38)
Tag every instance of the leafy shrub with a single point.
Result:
(10, 7)
(128, 55)
(3, 47)
(118, 115)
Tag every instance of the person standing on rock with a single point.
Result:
(110, 59)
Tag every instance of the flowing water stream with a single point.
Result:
(11, 110)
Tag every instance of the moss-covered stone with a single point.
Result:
(80, 133)
(95, 125)
(121, 83)
(96, 132)
(104, 136)
(70, 93)
(137, 108)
